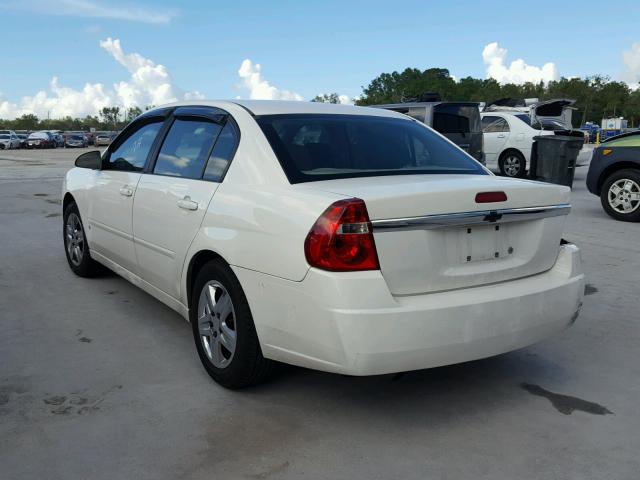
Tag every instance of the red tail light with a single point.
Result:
(341, 240)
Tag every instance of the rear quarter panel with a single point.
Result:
(261, 229)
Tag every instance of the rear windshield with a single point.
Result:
(323, 147)
(452, 118)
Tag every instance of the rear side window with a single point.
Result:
(452, 118)
(322, 147)
(222, 153)
(494, 125)
(132, 154)
(186, 148)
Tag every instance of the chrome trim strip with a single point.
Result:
(109, 229)
(480, 217)
(156, 248)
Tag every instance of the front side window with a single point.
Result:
(494, 125)
(322, 147)
(186, 148)
(131, 155)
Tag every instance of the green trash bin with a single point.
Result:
(553, 158)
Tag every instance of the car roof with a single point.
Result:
(423, 104)
(498, 113)
(279, 107)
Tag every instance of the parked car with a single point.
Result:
(9, 140)
(458, 121)
(58, 139)
(346, 239)
(23, 139)
(508, 138)
(103, 139)
(75, 141)
(614, 175)
(40, 140)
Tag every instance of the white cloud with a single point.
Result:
(518, 71)
(149, 84)
(258, 87)
(631, 60)
(93, 9)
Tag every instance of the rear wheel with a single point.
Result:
(512, 164)
(620, 195)
(224, 331)
(75, 244)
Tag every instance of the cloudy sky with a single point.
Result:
(72, 57)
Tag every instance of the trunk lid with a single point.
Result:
(431, 235)
(560, 110)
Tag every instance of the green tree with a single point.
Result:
(27, 121)
(110, 117)
(132, 113)
(327, 98)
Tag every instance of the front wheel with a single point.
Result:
(224, 331)
(512, 164)
(75, 244)
(620, 195)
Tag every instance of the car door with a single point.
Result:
(112, 193)
(173, 196)
(496, 134)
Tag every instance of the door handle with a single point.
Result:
(187, 203)
(502, 135)
(126, 190)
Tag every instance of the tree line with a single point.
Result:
(597, 97)
(109, 118)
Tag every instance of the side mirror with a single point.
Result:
(92, 160)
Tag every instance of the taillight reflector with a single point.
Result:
(341, 240)
(491, 197)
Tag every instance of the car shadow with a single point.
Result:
(450, 392)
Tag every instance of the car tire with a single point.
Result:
(223, 329)
(512, 164)
(620, 195)
(76, 247)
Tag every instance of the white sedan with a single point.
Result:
(508, 138)
(340, 238)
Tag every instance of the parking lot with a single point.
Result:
(100, 380)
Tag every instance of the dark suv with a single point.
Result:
(458, 121)
(614, 175)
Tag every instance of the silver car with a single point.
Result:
(8, 140)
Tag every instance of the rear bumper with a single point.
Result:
(351, 324)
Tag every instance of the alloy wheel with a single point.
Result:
(511, 166)
(624, 196)
(75, 239)
(217, 324)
